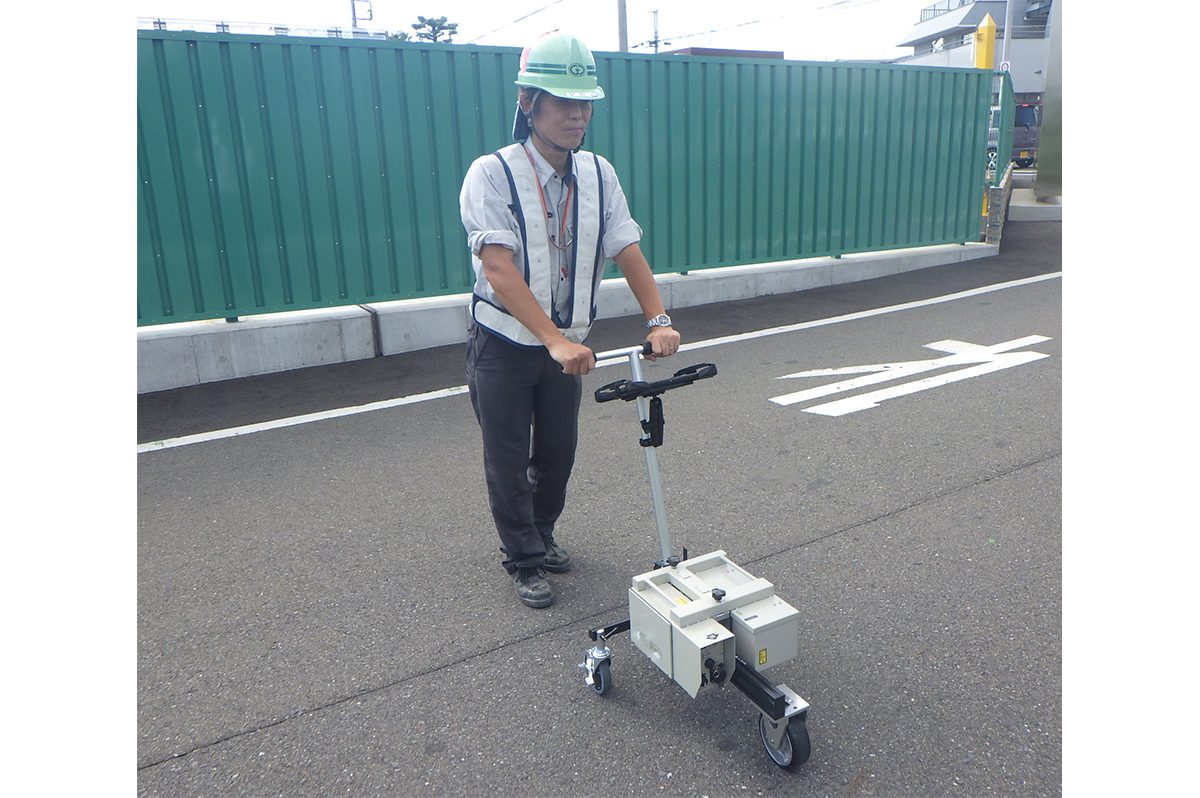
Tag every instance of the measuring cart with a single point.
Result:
(703, 620)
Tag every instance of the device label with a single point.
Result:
(762, 656)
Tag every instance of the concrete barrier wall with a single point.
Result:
(190, 353)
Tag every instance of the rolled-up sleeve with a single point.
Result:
(484, 210)
(620, 230)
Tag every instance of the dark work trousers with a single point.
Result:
(528, 412)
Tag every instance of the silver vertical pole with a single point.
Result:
(622, 28)
(656, 491)
(1008, 14)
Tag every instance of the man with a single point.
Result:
(542, 215)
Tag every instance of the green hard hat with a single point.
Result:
(562, 65)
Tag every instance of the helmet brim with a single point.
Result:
(567, 94)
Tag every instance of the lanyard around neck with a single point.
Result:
(562, 232)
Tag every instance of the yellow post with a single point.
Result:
(985, 58)
(985, 44)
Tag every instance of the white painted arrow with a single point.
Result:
(977, 359)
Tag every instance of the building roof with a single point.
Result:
(955, 22)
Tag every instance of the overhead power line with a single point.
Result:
(842, 5)
(515, 21)
(669, 39)
(839, 5)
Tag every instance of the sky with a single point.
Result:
(809, 30)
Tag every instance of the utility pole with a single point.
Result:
(622, 29)
(1008, 17)
(655, 41)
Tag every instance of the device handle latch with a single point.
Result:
(653, 426)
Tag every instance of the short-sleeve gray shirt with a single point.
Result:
(484, 200)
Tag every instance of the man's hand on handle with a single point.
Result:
(664, 341)
(574, 358)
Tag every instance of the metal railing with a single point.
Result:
(968, 39)
(267, 28)
(944, 7)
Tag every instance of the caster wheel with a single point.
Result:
(602, 679)
(794, 749)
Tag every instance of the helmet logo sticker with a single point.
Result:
(577, 70)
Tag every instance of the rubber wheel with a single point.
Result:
(795, 747)
(602, 679)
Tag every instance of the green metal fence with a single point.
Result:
(1000, 127)
(281, 173)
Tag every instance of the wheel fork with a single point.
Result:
(600, 652)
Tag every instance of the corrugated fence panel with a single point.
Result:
(1000, 136)
(279, 173)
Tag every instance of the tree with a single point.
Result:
(432, 28)
(400, 36)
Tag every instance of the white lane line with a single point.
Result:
(168, 443)
(865, 314)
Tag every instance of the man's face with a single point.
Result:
(564, 122)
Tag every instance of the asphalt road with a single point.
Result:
(321, 608)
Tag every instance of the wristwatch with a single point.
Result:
(661, 320)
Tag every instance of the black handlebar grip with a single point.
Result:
(614, 390)
(700, 371)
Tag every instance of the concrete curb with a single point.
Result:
(1025, 207)
(178, 355)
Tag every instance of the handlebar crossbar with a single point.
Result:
(644, 349)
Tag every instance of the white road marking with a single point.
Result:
(978, 359)
(308, 418)
(168, 443)
(866, 314)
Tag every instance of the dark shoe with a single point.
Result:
(557, 560)
(532, 588)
